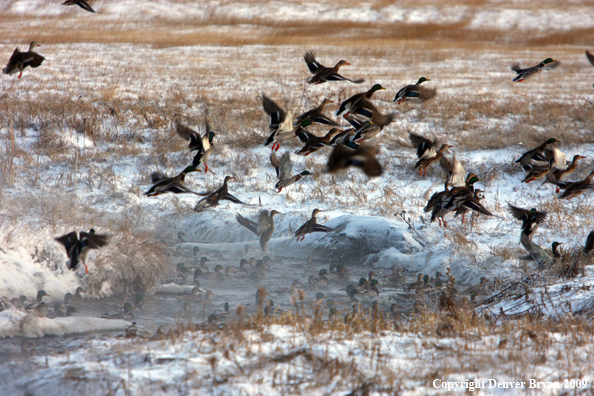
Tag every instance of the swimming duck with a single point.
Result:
(78, 245)
(125, 313)
(211, 199)
(531, 218)
(284, 171)
(81, 3)
(353, 101)
(264, 228)
(316, 115)
(524, 74)
(322, 74)
(351, 154)
(415, 91)
(163, 184)
(203, 145)
(20, 60)
(310, 226)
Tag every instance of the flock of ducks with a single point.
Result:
(349, 148)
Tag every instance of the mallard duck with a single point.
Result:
(556, 163)
(573, 189)
(536, 158)
(424, 163)
(77, 298)
(316, 115)
(125, 313)
(366, 111)
(39, 307)
(351, 154)
(284, 171)
(437, 198)
(348, 135)
(558, 174)
(263, 228)
(353, 101)
(531, 218)
(163, 184)
(78, 246)
(203, 145)
(81, 3)
(311, 225)
(211, 199)
(322, 74)
(426, 148)
(525, 74)
(313, 143)
(281, 123)
(454, 171)
(20, 60)
(464, 209)
(454, 198)
(543, 259)
(415, 91)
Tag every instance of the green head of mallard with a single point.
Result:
(322, 272)
(306, 123)
(319, 296)
(332, 312)
(127, 307)
(211, 136)
(196, 250)
(362, 281)
(22, 298)
(422, 80)
(226, 307)
(266, 259)
(203, 260)
(305, 173)
(472, 179)
(374, 282)
(211, 318)
(548, 60)
(138, 298)
(190, 169)
(533, 210)
(426, 279)
(242, 263)
(555, 246)
(551, 141)
(40, 294)
(376, 87)
(70, 310)
(218, 268)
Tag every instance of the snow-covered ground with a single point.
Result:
(86, 161)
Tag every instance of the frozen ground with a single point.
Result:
(86, 161)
